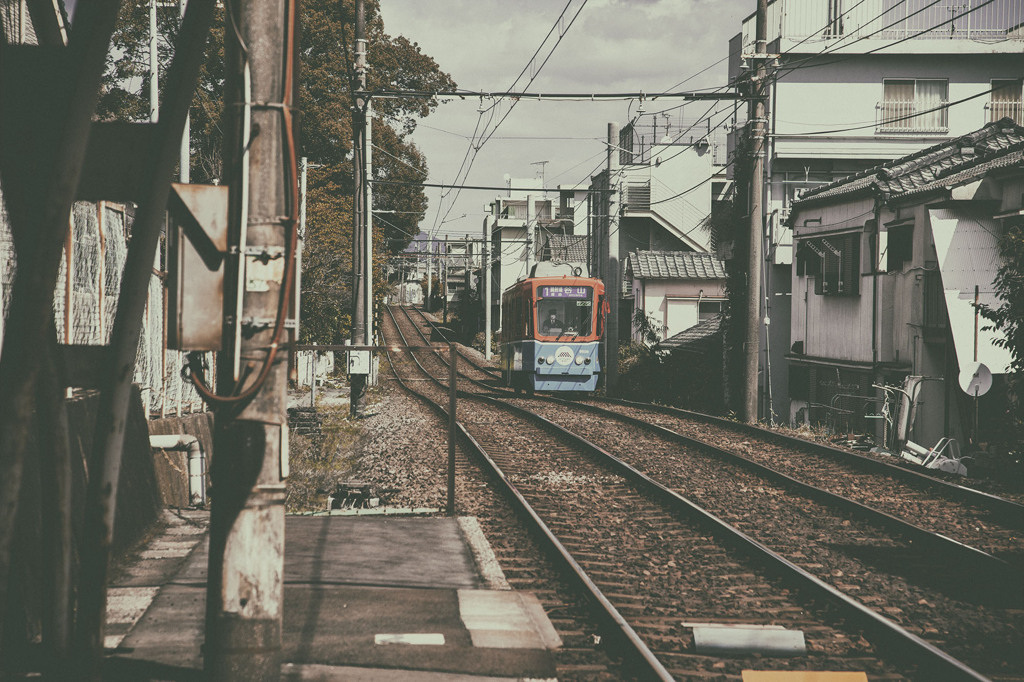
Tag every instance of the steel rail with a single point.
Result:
(629, 644)
(965, 558)
(901, 642)
(1010, 511)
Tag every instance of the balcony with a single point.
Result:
(912, 116)
(1007, 109)
(981, 20)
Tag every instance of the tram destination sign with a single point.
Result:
(564, 292)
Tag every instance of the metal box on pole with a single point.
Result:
(197, 242)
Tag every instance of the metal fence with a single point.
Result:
(983, 20)
(86, 296)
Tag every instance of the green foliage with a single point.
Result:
(319, 464)
(325, 86)
(680, 379)
(648, 328)
(1008, 317)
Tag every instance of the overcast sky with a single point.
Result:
(613, 46)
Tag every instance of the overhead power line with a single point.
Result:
(477, 187)
(554, 96)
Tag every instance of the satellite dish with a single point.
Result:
(975, 379)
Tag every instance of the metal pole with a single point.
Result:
(245, 591)
(751, 344)
(529, 232)
(444, 279)
(452, 374)
(430, 273)
(360, 268)
(368, 218)
(486, 273)
(186, 141)
(154, 66)
(610, 267)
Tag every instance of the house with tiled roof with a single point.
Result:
(856, 84)
(889, 266)
(675, 289)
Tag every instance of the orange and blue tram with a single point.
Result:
(551, 332)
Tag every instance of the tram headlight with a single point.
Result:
(551, 359)
(586, 361)
(579, 359)
(540, 361)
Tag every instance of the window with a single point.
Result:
(1005, 102)
(565, 310)
(910, 105)
(708, 309)
(833, 261)
(899, 247)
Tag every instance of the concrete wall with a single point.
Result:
(170, 467)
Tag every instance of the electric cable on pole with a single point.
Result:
(758, 125)
(361, 266)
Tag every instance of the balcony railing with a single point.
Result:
(988, 20)
(516, 210)
(903, 116)
(997, 110)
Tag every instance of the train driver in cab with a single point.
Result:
(552, 325)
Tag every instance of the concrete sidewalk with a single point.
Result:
(365, 598)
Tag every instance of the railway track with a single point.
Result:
(985, 521)
(556, 473)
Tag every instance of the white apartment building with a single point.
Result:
(522, 225)
(860, 83)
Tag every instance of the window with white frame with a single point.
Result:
(1005, 101)
(914, 105)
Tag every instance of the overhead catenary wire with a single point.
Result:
(474, 148)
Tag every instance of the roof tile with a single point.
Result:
(675, 265)
(957, 160)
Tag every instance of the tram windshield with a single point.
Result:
(565, 310)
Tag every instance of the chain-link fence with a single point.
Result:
(85, 303)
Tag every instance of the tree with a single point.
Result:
(1008, 317)
(325, 99)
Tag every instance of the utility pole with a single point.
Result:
(758, 122)
(444, 279)
(610, 266)
(529, 232)
(361, 268)
(368, 229)
(185, 158)
(430, 273)
(486, 275)
(154, 66)
(245, 590)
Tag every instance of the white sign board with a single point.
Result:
(359, 362)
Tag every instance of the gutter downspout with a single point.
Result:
(183, 442)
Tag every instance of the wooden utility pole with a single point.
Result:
(361, 267)
(244, 601)
(610, 265)
(758, 123)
